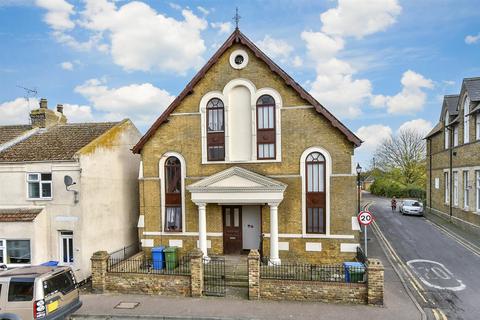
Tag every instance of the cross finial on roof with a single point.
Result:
(236, 18)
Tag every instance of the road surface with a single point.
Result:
(442, 271)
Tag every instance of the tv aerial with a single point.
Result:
(28, 93)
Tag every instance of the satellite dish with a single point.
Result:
(68, 181)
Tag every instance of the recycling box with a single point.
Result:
(158, 258)
(354, 271)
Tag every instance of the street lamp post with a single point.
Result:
(359, 170)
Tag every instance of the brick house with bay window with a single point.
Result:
(244, 158)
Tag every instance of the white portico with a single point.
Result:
(236, 188)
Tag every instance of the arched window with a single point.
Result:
(215, 130)
(466, 120)
(173, 194)
(447, 132)
(266, 148)
(315, 193)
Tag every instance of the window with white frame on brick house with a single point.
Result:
(455, 188)
(455, 136)
(466, 195)
(477, 126)
(266, 148)
(215, 130)
(446, 186)
(315, 195)
(477, 187)
(466, 120)
(447, 132)
(173, 195)
(39, 185)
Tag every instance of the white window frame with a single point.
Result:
(455, 188)
(446, 183)
(40, 182)
(477, 126)
(437, 183)
(455, 135)
(466, 195)
(447, 133)
(5, 252)
(3, 249)
(477, 185)
(63, 235)
(466, 120)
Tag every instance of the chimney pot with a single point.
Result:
(43, 103)
(60, 108)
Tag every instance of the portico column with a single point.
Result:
(202, 228)
(274, 233)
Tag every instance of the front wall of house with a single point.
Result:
(465, 157)
(301, 128)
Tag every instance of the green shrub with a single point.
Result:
(384, 186)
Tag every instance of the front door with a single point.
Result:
(232, 229)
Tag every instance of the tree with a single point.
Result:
(403, 154)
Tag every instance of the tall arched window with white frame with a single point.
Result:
(266, 144)
(215, 130)
(447, 133)
(173, 195)
(315, 193)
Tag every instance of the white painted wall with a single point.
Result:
(104, 218)
(240, 124)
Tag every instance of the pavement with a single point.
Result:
(398, 304)
(439, 262)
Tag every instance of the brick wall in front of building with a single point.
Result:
(168, 285)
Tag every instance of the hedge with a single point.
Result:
(389, 188)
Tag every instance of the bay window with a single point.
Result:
(173, 195)
(215, 130)
(39, 185)
(315, 193)
(266, 148)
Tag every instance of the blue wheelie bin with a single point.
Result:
(158, 258)
(354, 271)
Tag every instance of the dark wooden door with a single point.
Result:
(232, 229)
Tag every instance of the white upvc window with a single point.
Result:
(477, 185)
(455, 188)
(455, 136)
(477, 126)
(446, 184)
(15, 252)
(466, 195)
(447, 131)
(466, 120)
(39, 185)
(66, 247)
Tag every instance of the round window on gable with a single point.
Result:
(238, 59)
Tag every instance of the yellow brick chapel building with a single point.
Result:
(244, 158)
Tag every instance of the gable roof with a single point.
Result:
(472, 85)
(450, 103)
(59, 142)
(11, 132)
(237, 179)
(239, 37)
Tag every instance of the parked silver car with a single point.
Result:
(412, 207)
(38, 292)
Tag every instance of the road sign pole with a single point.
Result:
(366, 250)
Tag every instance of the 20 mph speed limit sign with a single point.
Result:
(365, 218)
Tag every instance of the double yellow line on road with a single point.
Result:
(462, 241)
(419, 289)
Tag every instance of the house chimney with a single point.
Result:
(43, 103)
(46, 118)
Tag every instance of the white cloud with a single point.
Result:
(174, 6)
(321, 46)
(139, 102)
(360, 18)
(297, 61)
(470, 39)
(223, 27)
(136, 36)
(17, 111)
(420, 125)
(78, 113)
(408, 101)
(67, 65)
(203, 10)
(372, 136)
(275, 48)
(58, 14)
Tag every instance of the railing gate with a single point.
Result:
(214, 276)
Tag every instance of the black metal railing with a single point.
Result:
(125, 252)
(214, 276)
(361, 255)
(181, 266)
(313, 272)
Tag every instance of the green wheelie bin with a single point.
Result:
(171, 257)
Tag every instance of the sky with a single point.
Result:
(378, 65)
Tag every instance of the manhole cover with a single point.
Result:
(127, 305)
